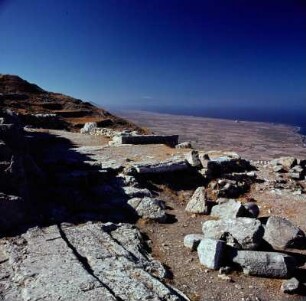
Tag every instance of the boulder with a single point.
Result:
(290, 286)
(198, 202)
(88, 127)
(264, 264)
(149, 208)
(252, 209)
(193, 158)
(210, 253)
(191, 241)
(241, 232)
(228, 209)
(281, 233)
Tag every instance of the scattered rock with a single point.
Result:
(280, 233)
(285, 162)
(228, 209)
(210, 253)
(191, 241)
(88, 127)
(193, 158)
(242, 232)
(264, 264)
(198, 202)
(134, 192)
(184, 145)
(149, 208)
(290, 286)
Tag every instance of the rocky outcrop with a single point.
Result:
(86, 262)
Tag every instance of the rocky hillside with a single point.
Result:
(57, 110)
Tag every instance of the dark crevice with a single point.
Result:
(83, 260)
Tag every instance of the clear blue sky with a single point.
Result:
(160, 52)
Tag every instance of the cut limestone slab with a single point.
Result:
(228, 209)
(242, 232)
(191, 241)
(281, 233)
(210, 253)
(265, 264)
(198, 202)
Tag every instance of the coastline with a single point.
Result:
(258, 139)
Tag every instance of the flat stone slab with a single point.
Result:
(228, 209)
(170, 140)
(159, 167)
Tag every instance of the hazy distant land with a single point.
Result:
(253, 140)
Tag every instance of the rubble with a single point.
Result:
(198, 202)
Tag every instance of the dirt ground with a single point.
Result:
(197, 282)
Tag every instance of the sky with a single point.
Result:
(193, 53)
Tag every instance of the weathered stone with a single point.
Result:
(134, 192)
(170, 140)
(228, 209)
(278, 168)
(191, 241)
(241, 232)
(86, 262)
(184, 145)
(88, 127)
(280, 233)
(265, 264)
(198, 202)
(290, 286)
(210, 253)
(149, 208)
(173, 165)
(285, 162)
(252, 209)
(193, 158)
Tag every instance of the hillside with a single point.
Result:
(28, 99)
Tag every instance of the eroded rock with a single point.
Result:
(280, 233)
(241, 232)
(264, 264)
(228, 209)
(210, 253)
(191, 241)
(198, 202)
